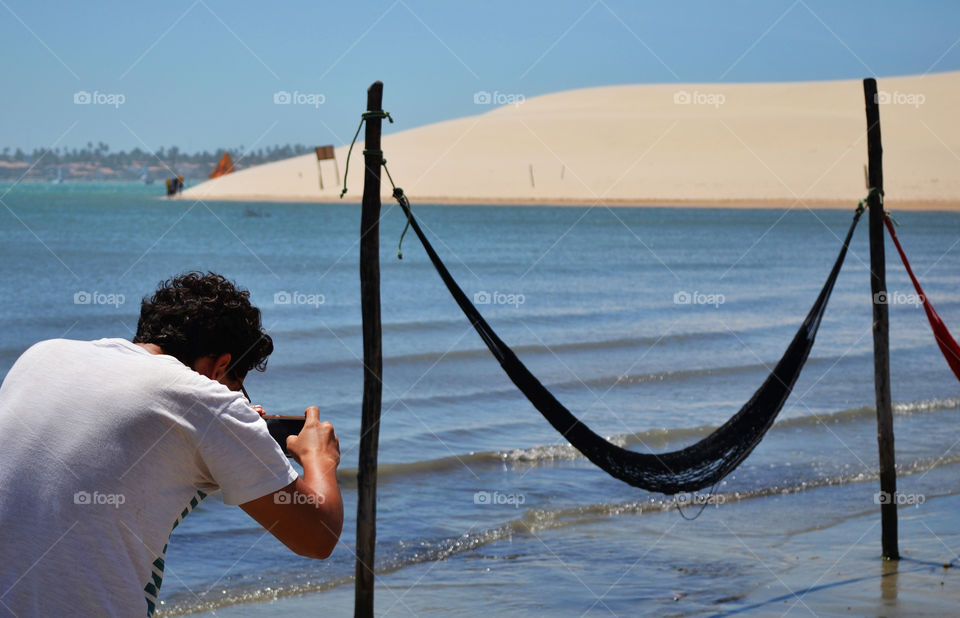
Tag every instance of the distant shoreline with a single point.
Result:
(732, 203)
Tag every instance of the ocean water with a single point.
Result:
(475, 486)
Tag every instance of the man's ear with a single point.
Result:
(220, 366)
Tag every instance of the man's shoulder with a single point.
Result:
(51, 344)
(98, 353)
(157, 373)
(49, 351)
(78, 346)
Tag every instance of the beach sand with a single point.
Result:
(749, 145)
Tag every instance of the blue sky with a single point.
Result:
(203, 73)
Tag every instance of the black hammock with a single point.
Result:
(695, 467)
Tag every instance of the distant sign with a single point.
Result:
(325, 153)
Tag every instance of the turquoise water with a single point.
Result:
(587, 299)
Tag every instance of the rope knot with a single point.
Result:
(865, 202)
(367, 115)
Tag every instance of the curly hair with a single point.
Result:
(195, 315)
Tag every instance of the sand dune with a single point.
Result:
(758, 144)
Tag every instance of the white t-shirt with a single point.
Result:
(104, 448)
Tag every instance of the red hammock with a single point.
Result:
(948, 345)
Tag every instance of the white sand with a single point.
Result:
(775, 144)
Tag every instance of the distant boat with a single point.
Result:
(224, 167)
(145, 176)
(59, 179)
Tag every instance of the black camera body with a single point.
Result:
(280, 427)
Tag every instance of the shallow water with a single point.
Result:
(587, 299)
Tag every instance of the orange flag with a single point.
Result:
(224, 167)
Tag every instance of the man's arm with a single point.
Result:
(307, 514)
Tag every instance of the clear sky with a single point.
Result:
(204, 73)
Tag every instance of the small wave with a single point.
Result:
(572, 346)
(456, 320)
(606, 381)
(545, 453)
(433, 356)
(463, 393)
(926, 405)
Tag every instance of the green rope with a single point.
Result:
(397, 193)
(346, 169)
(376, 114)
(364, 116)
(389, 177)
(862, 204)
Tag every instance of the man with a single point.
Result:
(106, 445)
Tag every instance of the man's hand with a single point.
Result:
(316, 442)
(306, 515)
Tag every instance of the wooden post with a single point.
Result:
(881, 338)
(372, 358)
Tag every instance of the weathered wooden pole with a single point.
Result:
(372, 356)
(881, 337)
